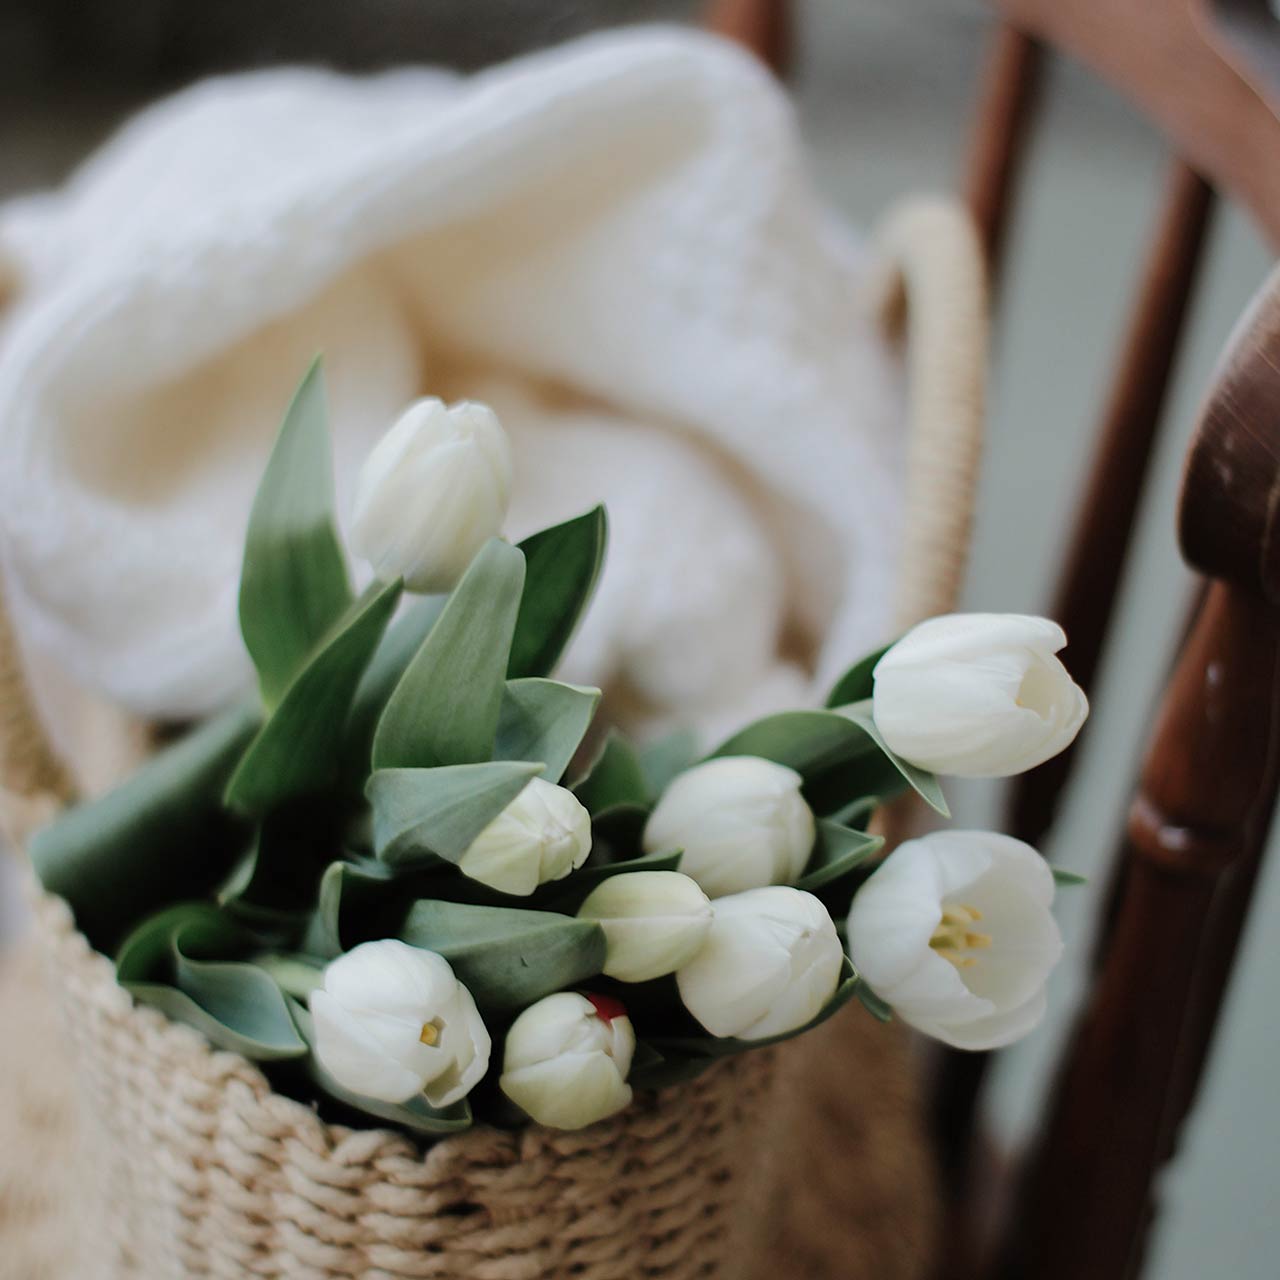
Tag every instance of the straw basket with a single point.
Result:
(187, 1164)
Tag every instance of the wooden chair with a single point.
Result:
(1208, 76)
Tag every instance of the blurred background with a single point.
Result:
(884, 92)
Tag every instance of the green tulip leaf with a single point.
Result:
(401, 640)
(563, 567)
(148, 951)
(657, 1071)
(293, 586)
(857, 683)
(872, 1003)
(423, 814)
(296, 974)
(925, 784)
(857, 813)
(298, 750)
(665, 759)
(363, 899)
(507, 958)
(837, 851)
(1068, 879)
(445, 708)
(545, 721)
(180, 1007)
(160, 836)
(806, 741)
(246, 1001)
(178, 961)
(613, 778)
(276, 890)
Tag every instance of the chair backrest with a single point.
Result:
(1208, 76)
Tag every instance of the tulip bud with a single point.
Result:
(392, 1021)
(432, 492)
(954, 932)
(543, 834)
(740, 820)
(567, 1060)
(653, 922)
(771, 961)
(978, 695)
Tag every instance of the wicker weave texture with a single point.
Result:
(207, 1172)
(188, 1165)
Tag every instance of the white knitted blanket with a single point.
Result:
(615, 242)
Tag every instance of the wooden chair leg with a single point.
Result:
(763, 26)
(1008, 93)
(1196, 833)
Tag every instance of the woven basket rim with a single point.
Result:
(484, 1142)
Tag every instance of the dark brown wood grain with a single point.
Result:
(1196, 833)
(763, 26)
(1008, 93)
(1171, 59)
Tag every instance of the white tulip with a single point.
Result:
(392, 1021)
(740, 820)
(653, 922)
(543, 834)
(954, 932)
(978, 695)
(770, 963)
(567, 1060)
(432, 492)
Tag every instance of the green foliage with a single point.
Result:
(857, 683)
(662, 760)
(293, 586)
(298, 750)
(507, 958)
(837, 851)
(399, 643)
(544, 721)
(563, 565)
(872, 1003)
(806, 741)
(160, 836)
(445, 708)
(242, 860)
(170, 962)
(924, 784)
(424, 814)
(613, 779)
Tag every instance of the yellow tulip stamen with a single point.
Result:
(953, 939)
(430, 1033)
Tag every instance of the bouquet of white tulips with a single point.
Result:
(414, 880)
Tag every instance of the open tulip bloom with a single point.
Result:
(415, 877)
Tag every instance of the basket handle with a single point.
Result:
(930, 292)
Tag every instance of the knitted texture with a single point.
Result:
(622, 230)
(207, 1172)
